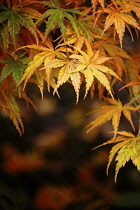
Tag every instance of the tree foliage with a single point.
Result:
(82, 45)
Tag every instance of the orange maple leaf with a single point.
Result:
(120, 19)
(113, 112)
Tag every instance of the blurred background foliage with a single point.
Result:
(53, 167)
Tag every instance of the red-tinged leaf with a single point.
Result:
(134, 82)
(33, 12)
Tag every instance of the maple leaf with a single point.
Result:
(30, 7)
(66, 72)
(13, 66)
(127, 147)
(47, 58)
(116, 51)
(9, 104)
(118, 56)
(16, 17)
(120, 19)
(113, 112)
(85, 25)
(47, 55)
(90, 64)
(47, 75)
(4, 37)
(57, 16)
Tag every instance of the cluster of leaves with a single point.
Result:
(56, 41)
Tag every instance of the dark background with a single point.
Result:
(53, 167)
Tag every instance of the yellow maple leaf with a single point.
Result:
(90, 64)
(66, 72)
(127, 147)
(46, 55)
(113, 112)
(128, 150)
(39, 59)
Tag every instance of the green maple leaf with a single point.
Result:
(4, 36)
(57, 16)
(85, 27)
(16, 67)
(16, 17)
(13, 24)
